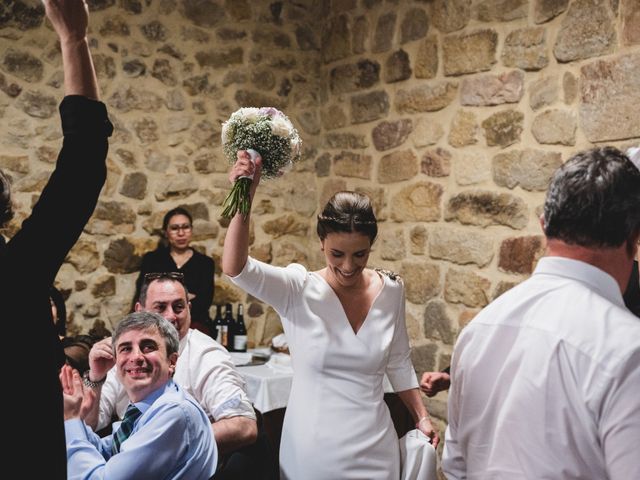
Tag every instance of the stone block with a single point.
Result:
(353, 77)
(23, 65)
(120, 257)
(503, 128)
(421, 281)
(388, 135)
(450, 15)
(426, 132)
(487, 90)
(134, 185)
(336, 39)
(543, 92)
(587, 30)
(483, 208)
(555, 127)
(414, 26)
(471, 168)
(630, 22)
(397, 166)
(384, 31)
(520, 254)
(470, 52)
(461, 246)
(499, 10)
(286, 225)
(545, 10)
(419, 202)
(349, 164)
(526, 48)
(531, 169)
(437, 324)
(397, 67)
(466, 287)
(203, 13)
(436, 163)
(370, 106)
(429, 97)
(84, 257)
(392, 245)
(609, 96)
(426, 64)
(464, 128)
(418, 239)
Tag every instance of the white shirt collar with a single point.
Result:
(597, 279)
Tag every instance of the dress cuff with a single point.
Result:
(81, 115)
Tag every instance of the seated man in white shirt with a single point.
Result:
(545, 381)
(165, 433)
(204, 369)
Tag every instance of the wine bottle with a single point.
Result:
(240, 332)
(223, 330)
(213, 324)
(230, 324)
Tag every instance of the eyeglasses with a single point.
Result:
(177, 276)
(185, 227)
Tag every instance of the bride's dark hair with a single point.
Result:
(348, 212)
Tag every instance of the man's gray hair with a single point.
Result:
(148, 321)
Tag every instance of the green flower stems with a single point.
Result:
(238, 199)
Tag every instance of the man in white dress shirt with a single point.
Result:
(204, 369)
(545, 381)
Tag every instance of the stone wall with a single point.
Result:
(450, 114)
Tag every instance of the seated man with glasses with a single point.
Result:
(175, 254)
(204, 369)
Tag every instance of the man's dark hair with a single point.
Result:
(6, 205)
(593, 199)
(348, 212)
(160, 277)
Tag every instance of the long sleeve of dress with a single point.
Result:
(276, 286)
(400, 368)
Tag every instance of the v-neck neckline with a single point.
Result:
(344, 313)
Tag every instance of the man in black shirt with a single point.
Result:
(30, 261)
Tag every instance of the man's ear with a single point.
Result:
(137, 307)
(541, 220)
(173, 358)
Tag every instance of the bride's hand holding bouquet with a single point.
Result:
(251, 133)
(247, 167)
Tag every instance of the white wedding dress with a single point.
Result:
(337, 425)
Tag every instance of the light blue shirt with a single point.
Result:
(172, 439)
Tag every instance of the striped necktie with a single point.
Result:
(126, 427)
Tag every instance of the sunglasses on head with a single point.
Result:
(149, 277)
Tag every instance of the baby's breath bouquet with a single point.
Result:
(265, 131)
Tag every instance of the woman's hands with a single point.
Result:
(245, 167)
(424, 425)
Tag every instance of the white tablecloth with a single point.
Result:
(267, 388)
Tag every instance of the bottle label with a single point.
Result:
(240, 343)
(222, 338)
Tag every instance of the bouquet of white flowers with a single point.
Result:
(266, 131)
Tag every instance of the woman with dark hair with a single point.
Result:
(174, 254)
(346, 329)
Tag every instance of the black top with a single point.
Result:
(29, 263)
(632, 294)
(198, 276)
